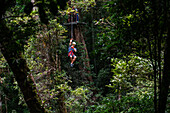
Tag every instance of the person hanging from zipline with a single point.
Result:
(71, 51)
(73, 14)
(77, 14)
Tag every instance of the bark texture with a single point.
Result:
(78, 36)
(166, 75)
(13, 55)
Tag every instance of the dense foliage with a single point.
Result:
(126, 43)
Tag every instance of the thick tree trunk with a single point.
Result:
(165, 83)
(13, 55)
(79, 38)
(166, 75)
(155, 36)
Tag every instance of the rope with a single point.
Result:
(72, 18)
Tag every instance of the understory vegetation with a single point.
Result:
(122, 59)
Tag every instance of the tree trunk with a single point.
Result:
(79, 38)
(119, 92)
(166, 74)
(13, 55)
(0, 102)
(6, 104)
(155, 35)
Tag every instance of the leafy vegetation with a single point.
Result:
(122, 63)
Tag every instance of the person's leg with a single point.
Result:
(74, 58)
(68, 20)
(69, 17)
(77, 18)
(71, 58)
(74, 17)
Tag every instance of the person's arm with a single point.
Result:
(70, 41)
(75, 50)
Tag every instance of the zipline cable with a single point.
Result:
(71, 26)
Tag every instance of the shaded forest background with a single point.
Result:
(122, 65)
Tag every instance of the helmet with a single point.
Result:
(74, 43)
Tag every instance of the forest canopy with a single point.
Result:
(122, 61)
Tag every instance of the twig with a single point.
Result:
(10, 17)
(110, 23)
